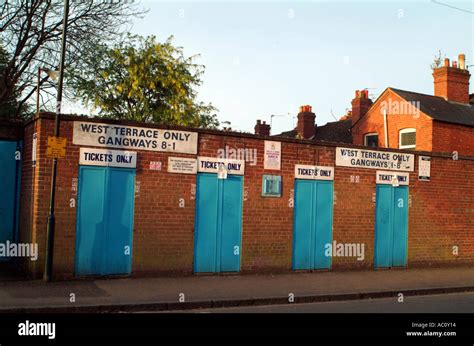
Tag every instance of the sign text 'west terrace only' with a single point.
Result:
(131, 137)
(362, 158)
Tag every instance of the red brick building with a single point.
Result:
(443, 122)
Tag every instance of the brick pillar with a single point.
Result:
(306, 127)
(262, 129)
(360, 105)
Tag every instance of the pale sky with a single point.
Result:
(270, 57)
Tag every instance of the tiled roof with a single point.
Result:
(439, 109)
(337, 132)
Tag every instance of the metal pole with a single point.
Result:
(48, 266)
(38, 92)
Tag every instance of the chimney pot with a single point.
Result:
(462, 61)
(446, 62)
(455, 64)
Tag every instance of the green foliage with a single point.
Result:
(8, 105)
(31, 34)
(144, 80)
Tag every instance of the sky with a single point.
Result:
(270, 57)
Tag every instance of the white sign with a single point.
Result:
(361, 158)
(392, 178)
(104, 157)
(424, 168)
(314, 172)
(131, 137)
(34, 149)
(272, 155)
(182, 165)
(212, 164)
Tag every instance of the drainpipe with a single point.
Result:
(385, 127)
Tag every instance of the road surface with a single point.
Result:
(443, 303)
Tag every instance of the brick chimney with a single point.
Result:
(452, 82)
(262, 129)
(306, 127)
(360, 105)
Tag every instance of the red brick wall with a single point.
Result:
(440, 214)
(28, 191)
(396, 121)
(449, 138)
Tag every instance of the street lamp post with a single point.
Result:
(48, 266)
(52, 74)
(271, 119)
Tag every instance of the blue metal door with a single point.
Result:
(90, 230)
(218, 223)
(104, 221)
(119, 234)
(9, 191)
(383, 226)
(312, 224)
(400, 226)
(205, 235)
(231, 225)
(391, 226)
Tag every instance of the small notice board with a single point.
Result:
(56, 147)
(424, 168)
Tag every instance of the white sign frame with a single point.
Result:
(314, 172)
(34, 149)
(388, 160)
(403, 178)
(272, 155)
(182, 165)
(215, 169)
(110, 155)
(424, 168)
(132, 137)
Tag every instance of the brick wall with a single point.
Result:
(441, 213)
(451, 137)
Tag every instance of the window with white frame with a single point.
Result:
(371, 139)
(407, 139)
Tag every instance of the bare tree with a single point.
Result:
(30, 32)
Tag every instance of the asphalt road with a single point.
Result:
(444, 303)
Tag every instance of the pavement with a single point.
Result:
(214, 291)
